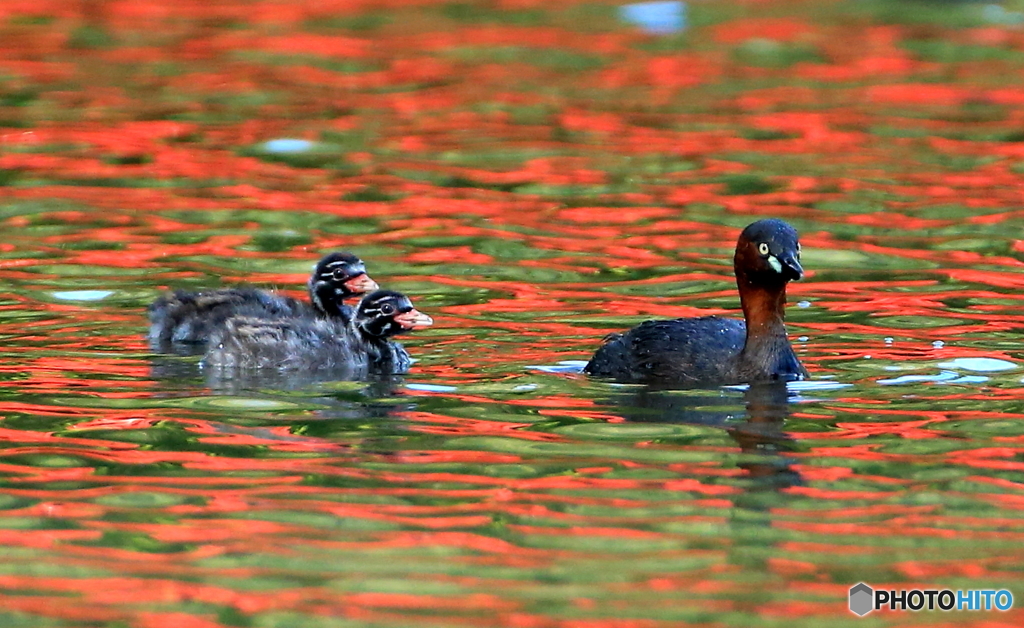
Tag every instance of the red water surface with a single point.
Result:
(535, 176)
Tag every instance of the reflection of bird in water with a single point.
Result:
(316, 383)
(694, 351)
(307, 343)
(762, 433)
(183, 317)
(756, 425)
(375, 397)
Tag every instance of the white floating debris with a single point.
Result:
(802, 339)
(938, 344)
(83, 295)
(803, 304)
(431, 388)
(656, 18)
(996, 14)
(524, 387)
(888, 340)
(970, 379)
(944, 376)
(288, 145)
(983, 365)
(806, 385)
(564, 366)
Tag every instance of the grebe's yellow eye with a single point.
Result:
(762, 248)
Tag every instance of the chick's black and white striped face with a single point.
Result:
(345, 273)
(385, 313)
(337, 277)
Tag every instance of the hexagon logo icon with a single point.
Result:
(861, 599)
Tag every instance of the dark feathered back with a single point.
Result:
(713, 350)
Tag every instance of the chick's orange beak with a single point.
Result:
(414, 319)
(361, 284)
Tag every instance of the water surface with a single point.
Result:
(534, 179)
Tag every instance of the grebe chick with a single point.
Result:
(309, 343)
(190, 317)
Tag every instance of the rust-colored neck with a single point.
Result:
(764, 308)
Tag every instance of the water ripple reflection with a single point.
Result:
(534, 177)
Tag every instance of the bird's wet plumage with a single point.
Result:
(715, 350)
(191, 317)
(353, 349)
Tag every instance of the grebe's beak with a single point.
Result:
(789, 267)
(361, 284)
(413, 319)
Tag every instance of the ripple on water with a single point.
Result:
(950, 376)
(291, 501)
(981, 365)
(141, 499)
(631, 431)
(82, 295)
(439, 388)
(235, 403)
(563, 366)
